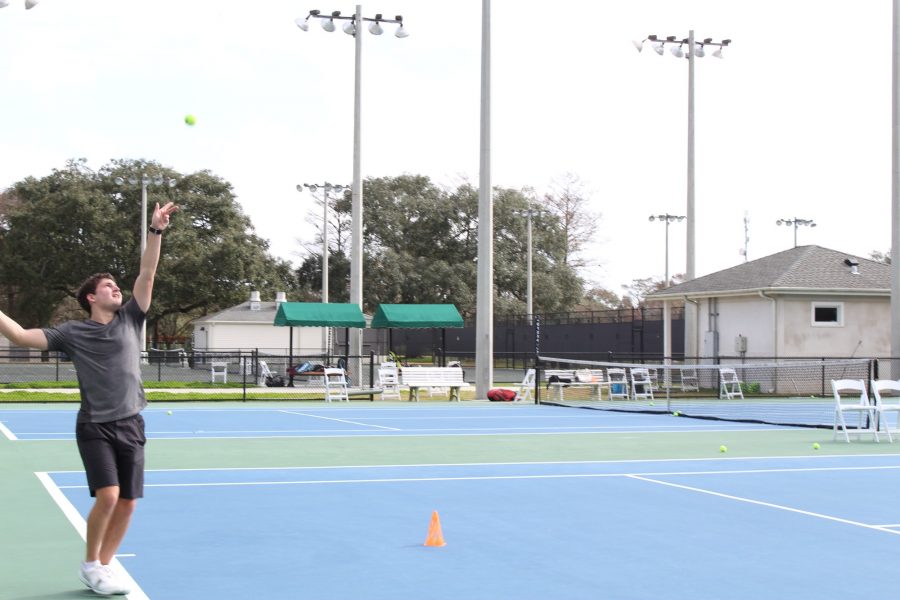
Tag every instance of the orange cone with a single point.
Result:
(435, 537)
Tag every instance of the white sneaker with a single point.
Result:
(102, 580)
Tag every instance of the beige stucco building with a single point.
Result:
(250, 325)
(804, 302)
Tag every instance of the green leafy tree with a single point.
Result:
(58, 229)
(421, 246)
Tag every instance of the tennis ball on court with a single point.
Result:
(815, 445)
(169, 413)
(676, 414)
(651, 404)
(723, 448)
(190, 120)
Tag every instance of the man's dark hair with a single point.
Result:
(90, 287)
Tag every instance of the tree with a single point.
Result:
(636, 293)
(882, 257)
(569, 202)
(599, 298)
(57, 230)
(421, 246)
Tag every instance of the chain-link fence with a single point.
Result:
(173, 369)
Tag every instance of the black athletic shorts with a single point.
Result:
(113, 454)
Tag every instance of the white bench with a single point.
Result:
(558, 380)
(416, 378)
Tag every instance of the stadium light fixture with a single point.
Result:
(795, 222)
(29, 4)
(356, 22)
(667, 219)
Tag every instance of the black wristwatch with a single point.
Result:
(155, 230)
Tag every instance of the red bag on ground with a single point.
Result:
(501, 395)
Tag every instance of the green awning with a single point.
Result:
(421, 316)
(318, 314)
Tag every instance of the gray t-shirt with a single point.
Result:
(107, 360)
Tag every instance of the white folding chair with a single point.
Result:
(335, 385)
(263, 372)
(654, 379)
(641, 384)
(729, 384)
(850, 396)
(526, 388)
(218, 369)
(618, 383)
(389, 380)
(690, 382)
(887, 400)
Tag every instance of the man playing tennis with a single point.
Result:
(106, 352)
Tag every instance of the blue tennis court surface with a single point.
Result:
(320, 502)
(343, 420)
(725, 528)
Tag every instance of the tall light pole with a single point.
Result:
(530, 213)
(677, 48)
(667, 219)
(326, 187)
(484, 295)
(796, 223)
(353, 26)
(895, 189)
(145, 181)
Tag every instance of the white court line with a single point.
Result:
(7, 433)
(80, 526)
(505, 477)
(618, 461)
(303, 414)
(522, 428)
(766, 504)
(352, 433)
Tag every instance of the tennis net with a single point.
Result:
(786, 392)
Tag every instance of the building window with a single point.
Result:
(827, 314)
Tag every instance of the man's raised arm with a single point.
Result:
(143, 285)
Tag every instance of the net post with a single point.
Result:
(537, 379)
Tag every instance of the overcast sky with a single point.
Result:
(795, 121)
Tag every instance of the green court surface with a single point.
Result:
(43, 548)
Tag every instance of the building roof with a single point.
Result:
(810, 269)
(242, 314)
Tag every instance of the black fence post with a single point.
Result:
(242, 363)
(372, 374)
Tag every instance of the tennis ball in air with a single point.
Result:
(190, 120)
(815, 445)
(723, 448)
(169, 413)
